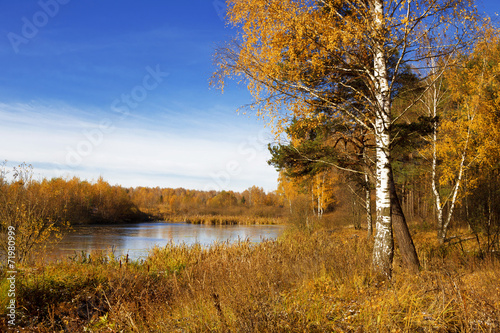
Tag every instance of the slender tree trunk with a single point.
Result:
(368, 201)
(437, 196)
(442, 224)
(319, 201)
(323, 195)
(368, 207)
(441, 230)
(454, 197)
(466, 202)
(320, 189)
(289, 204)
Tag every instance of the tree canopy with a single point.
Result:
(346, 56)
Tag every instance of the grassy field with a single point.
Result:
(303, 282)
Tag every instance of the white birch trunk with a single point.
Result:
(323, 195)
(383, 250)
(453, 201)
(437, 196)
(384, 245)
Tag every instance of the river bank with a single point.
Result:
(313, 282)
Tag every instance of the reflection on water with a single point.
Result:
(136, 239)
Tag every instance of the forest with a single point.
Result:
(77, 201)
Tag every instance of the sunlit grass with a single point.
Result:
(315, 281)
(230, 220)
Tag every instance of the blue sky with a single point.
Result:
(119, 89)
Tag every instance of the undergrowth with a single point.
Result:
(303, 282)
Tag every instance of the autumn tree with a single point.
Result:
(286, 190)
(223, 199)
(465, 135)
(334, 54)
(24, 207)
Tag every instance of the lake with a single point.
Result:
(137, 239)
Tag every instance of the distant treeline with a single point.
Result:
(77, 201)
(74, 201)
(169, 203)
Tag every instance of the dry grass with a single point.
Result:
(303, 282)
(228, 220)
(221, 215)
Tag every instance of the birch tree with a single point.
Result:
(286, 189)
(334, 54)
(465, 101)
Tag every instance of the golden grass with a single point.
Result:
(229, 220)
(302, 282)
(221, 215)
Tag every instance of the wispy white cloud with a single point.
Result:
(131, 153)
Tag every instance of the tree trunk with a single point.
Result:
(368, 199)
(383, 250)
(437, 196)
(403, 236)
(368, 207)
(443, 225)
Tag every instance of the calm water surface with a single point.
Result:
(137, 239)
